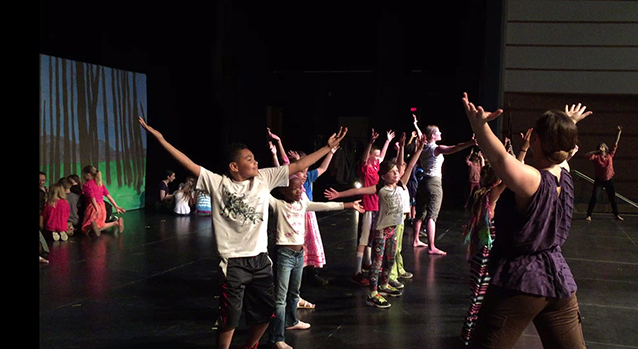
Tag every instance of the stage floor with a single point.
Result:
(156, 286)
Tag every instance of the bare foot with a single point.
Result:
(419, 243)
(436, 251)
(96, 229)
(120, 224)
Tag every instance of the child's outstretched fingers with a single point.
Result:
(331, 194)
(357, 206)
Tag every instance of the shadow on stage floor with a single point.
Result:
(156, 286)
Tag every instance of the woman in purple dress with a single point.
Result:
(530, 279)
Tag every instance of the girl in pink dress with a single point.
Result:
(95, 213)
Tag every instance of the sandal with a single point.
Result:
(304, 304)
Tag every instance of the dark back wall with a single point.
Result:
(214, 68)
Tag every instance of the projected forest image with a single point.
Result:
(88, 116)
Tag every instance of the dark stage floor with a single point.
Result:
(156, 286)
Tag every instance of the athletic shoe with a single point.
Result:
(406, 275)
(389, 291)
(378, 302)
(396, 284)
(56, 236)
(63, 236)
(360, 279)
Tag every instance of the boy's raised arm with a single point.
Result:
(178, 155)
(308, 160)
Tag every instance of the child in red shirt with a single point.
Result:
(56, 213)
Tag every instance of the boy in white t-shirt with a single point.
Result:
(240, 201)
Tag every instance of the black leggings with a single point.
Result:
(611, 193)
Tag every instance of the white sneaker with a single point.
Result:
(63, 236)
(56, 236)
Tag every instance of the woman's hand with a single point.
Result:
(477, 115)
(577, 112)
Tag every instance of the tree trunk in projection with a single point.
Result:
(126, 144)
(64, 119)
(83, 135)
(93, 79)
(56, 159)
(116, 124)
(137, 141)
(74, 119)
(105, 112)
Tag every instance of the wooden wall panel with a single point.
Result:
(522, 110)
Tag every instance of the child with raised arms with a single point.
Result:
(290, 206)
(390, 216)
(240, 201)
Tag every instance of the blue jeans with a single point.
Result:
(287, 283)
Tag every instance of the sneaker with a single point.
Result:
(378, 301)
(56, 236)
(406, 275)
(396, 284)
(63, 236)
(299, 326)
(618, 218)
(389, 291)
(588, 218)
(360, 279)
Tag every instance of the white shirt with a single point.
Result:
(291, 217)
(390, 206)
(181, 206)
(239, 210)
(431, 164)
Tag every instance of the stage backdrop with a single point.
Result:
(88, 116)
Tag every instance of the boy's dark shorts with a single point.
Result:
(249, 286)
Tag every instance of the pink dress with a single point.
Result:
(92, 190)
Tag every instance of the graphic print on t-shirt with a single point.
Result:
(236, 208)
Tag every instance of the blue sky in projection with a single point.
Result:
(47, 86)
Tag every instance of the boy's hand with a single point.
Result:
(149, 129)
(335, 139)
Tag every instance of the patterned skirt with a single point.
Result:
(479, 281)
(315, 255)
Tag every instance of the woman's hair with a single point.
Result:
(56, 192)
(167, 174)
(558, 135)
(430, 130)
(97, 175)
(604, 146)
